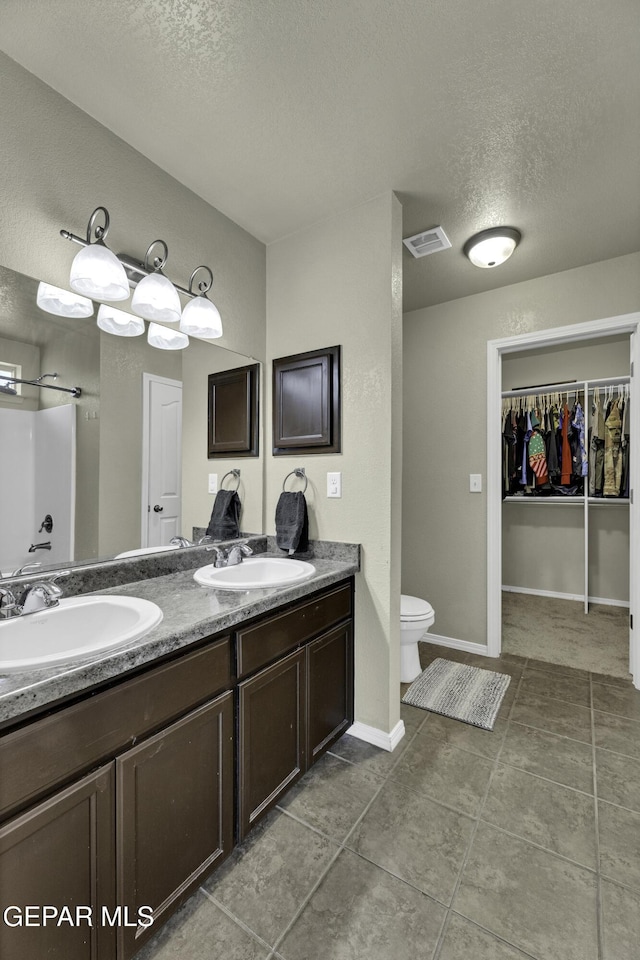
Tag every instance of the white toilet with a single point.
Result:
(416, 616)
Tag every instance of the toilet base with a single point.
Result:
(410, 667)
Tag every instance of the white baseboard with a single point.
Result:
(478, 648)
(388, 741)
(565, 596)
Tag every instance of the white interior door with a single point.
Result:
(162, 463)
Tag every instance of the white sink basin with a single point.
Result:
(142, 551)
(256, 572)
(76, 628)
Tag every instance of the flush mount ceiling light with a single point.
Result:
(164, 338)
(96, 272)
(62, 303)
(155, 297)
(122, 324)
(490, 248)
(201, 317)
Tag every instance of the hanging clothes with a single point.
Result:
(580, 461)
(612, 452)
(596, 447)
(566, 459)
(624, 485)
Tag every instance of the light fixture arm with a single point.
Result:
(204, 285)
(136, 269)
(156, 265)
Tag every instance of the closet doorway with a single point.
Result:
(562, 547)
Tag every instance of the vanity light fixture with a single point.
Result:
(62, 303)
(490, 248)
(115, 321)
(201, 317)
(164, 338)
(100, 274)
(155, 297)
(96, 272)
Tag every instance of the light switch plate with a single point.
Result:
(213, 483)
(475, 483)
(334, 484)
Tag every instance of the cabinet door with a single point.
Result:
(60, 854)
(272, 736)
(174, 815)
(330, 689)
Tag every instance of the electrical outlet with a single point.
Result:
(213, 483)
(334, 484)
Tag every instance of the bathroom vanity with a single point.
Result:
(121, 795)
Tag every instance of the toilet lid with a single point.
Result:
(413, 608)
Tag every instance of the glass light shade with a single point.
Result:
(122, 324)
(96, 272)
(201, 318)
(166, 339)
(62, 303)
(156, 298)
(492, 247)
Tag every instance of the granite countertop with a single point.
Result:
(190, 613)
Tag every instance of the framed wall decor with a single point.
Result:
(306, 403)
(233, 412)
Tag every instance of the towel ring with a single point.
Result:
(232, 473)
(300, 474)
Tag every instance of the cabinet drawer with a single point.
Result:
(34, 759)
(264, 642)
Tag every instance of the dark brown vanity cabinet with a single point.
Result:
(130, 839)
(174, 815)
(60, 853)
(123, 801)
(293, 710)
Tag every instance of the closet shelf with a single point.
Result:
(599, 501)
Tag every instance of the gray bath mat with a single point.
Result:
(459, 691)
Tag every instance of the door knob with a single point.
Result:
(158, 508)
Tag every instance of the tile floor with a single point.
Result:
(460, 845)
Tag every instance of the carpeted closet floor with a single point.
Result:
(558, 631)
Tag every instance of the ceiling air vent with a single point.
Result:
(429, 241)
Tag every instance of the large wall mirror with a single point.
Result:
(82, 461)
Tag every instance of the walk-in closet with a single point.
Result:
(565, 514)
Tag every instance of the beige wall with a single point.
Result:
(444, 526)
(58, 164)
(327, 286)
(197, 501)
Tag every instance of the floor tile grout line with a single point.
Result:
(521, 723)
(540, 846)
(599, 905)
(481, 926)
(340, 848)
(239, 922)
(474, 831)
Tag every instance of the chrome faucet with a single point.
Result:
(181, 542)
(8, 604)
(231, 556)
(40, 596)
(36, 596)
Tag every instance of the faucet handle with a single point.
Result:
(8, 604)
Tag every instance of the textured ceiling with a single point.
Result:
(281, 113)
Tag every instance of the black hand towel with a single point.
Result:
(225, 516)
(292, 523)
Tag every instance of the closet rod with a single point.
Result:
(571, 386)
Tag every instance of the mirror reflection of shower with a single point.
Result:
(40, 478)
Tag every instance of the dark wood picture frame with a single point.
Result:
(233, 409)
(307, 403)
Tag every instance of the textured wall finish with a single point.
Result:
(445, 396)
(58, 164)
(323, 289)
(282, 113)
